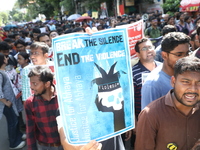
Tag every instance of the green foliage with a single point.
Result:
(3, 18)
(49, 8)
(171, 6)
(68, 6)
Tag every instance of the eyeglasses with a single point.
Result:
(181, 54)
(147, 48)
(35, 53)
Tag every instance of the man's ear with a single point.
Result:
(48, 84)
(46, 55)
(138, 55)
(173, 79)
(164, 55)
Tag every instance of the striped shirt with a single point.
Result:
(137, 71)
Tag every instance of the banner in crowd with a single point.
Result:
(135, 33)
(94, 84)
(104, 12)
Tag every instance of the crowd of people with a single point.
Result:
(166, 81)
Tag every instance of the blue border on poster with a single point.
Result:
(75, 56)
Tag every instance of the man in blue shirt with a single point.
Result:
(175, 45)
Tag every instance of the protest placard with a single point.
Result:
(135, 33)
(94, 85)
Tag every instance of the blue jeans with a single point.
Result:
(41, 147)
(14, 134)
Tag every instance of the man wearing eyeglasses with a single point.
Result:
(39, 56)
(175, 45)
(145, 51)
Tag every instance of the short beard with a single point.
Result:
(39, 94)
(180, 101)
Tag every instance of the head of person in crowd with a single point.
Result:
(181, 17)
(145, 50)
(17, 36)
(68, 31)
(53, 34)
(39, 53)
(24, 33)
(186, 82)
(124, 20)
(166, 17)
(35, 33)
(23, 59)
(131, 21)
(154, 21)
(41, 79)
(171, 20)
(121, 23)
(3, 60)
(119, 19)
(20, 45)
(11, 36)
(138, 17)
(194, 40)
(168, 28)
(44, 37)
(60, 30)
(198, 32)
(78, 29)
(175, 45)
(77, 24)
(197, 21)
(10, 42)
(188, 19)
(4, 48)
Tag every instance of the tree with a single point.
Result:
(47, 7)
(3, 18)
(171, 6)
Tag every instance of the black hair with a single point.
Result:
(4, 46)
(192, 35)
(36, 30)
(24, 32)
(59, 30)
(2, 57)
(137, 49)
(77, 29)
(9, 40)
(121, 23)
(186, 18)
(185, 64)
(16, 34)
(195, 22)
(25, 56)
(198, 30)
(42, 35)
(152, 18)
(68, 31)
(168, 28)
(44, 47)
(19, 41)
(173, 39)
(44, 72)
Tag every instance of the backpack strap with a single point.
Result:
(4, 78)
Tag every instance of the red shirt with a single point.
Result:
(41, 121)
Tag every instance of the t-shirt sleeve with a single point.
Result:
(149, 93)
